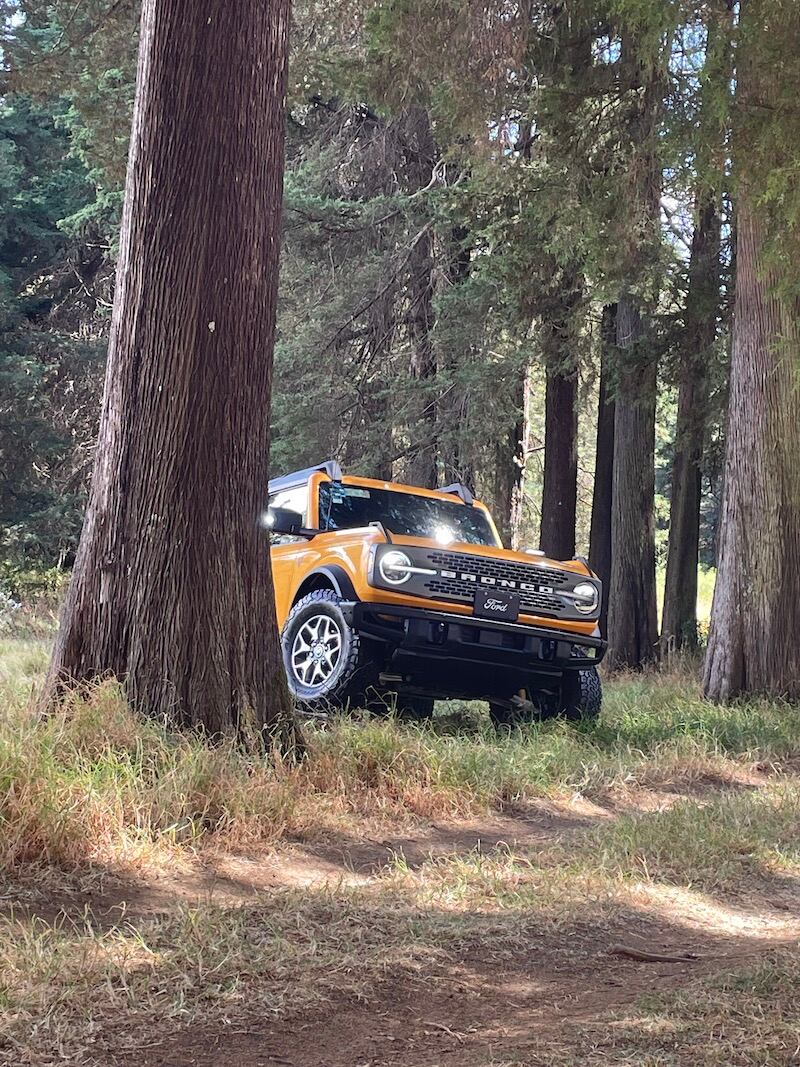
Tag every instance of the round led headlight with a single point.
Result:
(586, 598)
(394, 567)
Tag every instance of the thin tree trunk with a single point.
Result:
(377, 425)
(420, 150)
(560, 492)
(600, 532)
(172, 588)
(453, 435)
(632, 616)
(369, 435)
(755, 619)
(679, 618)
(560, 489)
(508, 473)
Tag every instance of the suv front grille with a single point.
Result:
(501, 569)
(535, 586)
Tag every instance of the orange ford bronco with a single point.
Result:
(393, 596)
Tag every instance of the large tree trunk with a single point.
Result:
(632, 614)
(560, 489)
(600, 531)
(679, 618)
(755, 620)
(172, 588)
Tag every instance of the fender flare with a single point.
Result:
(342, 581)
(337, 576)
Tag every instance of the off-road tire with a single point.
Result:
(353, 671)
(581, 695)
(581, 700)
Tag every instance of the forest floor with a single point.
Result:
(628, 893)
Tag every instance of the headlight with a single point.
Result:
(395, 567)
(586, 598)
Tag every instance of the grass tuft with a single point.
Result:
(93, 784)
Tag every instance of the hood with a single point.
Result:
(577, 566)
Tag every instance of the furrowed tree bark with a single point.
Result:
(172, 588)
(679, 617)
(600, 530)
(755, 619)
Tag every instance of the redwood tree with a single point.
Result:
(755, 620)
(171, 589)
(698, 335)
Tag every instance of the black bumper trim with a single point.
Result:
(441, 634)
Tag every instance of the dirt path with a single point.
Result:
(480, 1011)
(478, 1007)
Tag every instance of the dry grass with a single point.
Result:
(68, 988)
(746, 1018)
(93, 785)
(93, 789)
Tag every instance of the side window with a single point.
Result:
(295, 499)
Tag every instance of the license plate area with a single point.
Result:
(496, 604)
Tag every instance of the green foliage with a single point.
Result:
(534, 115)
(47, 370)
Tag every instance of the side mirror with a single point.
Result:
(285, 521)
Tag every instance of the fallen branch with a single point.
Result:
(651, 957)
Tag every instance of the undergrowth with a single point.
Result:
(93, 784)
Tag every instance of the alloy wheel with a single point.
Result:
(316, 650)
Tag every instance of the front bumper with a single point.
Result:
(440, 635)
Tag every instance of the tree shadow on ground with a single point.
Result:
(336, 975)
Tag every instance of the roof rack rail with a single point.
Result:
(289, 481)
(459, 490)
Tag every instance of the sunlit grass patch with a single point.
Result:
(22, 665)
(644, 711)
(749, 1017)
(723, 844)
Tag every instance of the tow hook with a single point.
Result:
(523, 706)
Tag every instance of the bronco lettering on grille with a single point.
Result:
(504, 583)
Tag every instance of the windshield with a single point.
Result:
(344, 507)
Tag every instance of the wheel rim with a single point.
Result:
(316, 650)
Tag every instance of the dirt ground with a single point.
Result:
(523, 1005)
